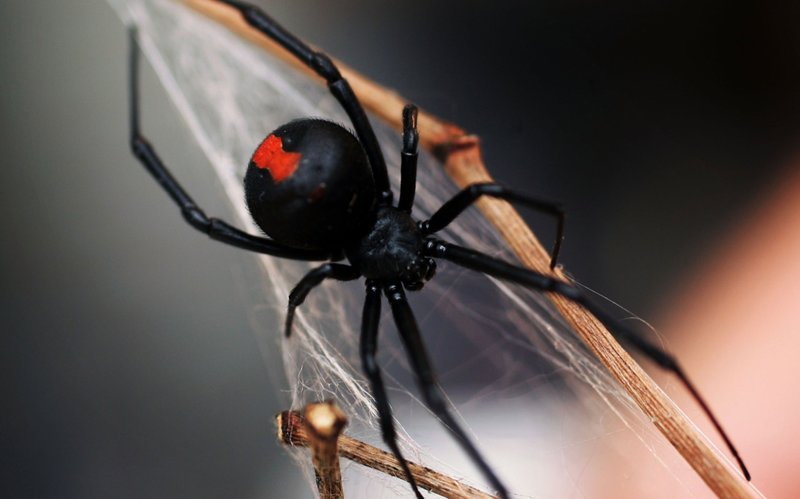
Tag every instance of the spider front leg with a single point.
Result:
(464, 199)
(369, 347)
(213, 227)
(426, 379)
(486, 264)
(408, 159)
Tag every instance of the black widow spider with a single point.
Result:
(322, 194)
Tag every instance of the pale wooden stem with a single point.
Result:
(292, 430)
(323, 423)
(464, 164)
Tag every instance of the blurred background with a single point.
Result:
(668, 131)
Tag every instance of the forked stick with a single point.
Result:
(304, 431)
(463, 162)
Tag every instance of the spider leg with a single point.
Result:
(461, 201)
(408, 159)
(322, 65)
(426, 379)
(486, 264)
(313, 279)
(215, 228)
(369, 346)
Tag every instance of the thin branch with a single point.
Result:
(463, 162)
(293, 430)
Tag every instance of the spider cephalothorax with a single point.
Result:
(392, 249)
(321, 193)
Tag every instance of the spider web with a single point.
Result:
(544, 412)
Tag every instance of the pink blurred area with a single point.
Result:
(736, 328)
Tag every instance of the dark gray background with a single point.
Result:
(128, 345)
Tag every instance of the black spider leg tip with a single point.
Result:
(689, 386)
(313, 279)
(486, 264)
(426, 379)
(668, 363)
(369, 347)
(470, 194)
(324, 67)
(408, 159)
(215, 228)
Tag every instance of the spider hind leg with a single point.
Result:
(324, 67)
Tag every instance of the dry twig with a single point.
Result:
(293, 429)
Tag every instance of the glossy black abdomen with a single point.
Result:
(309, 185)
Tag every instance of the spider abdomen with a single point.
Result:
(309, 185)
